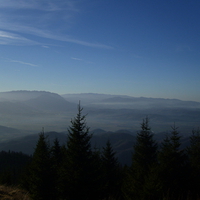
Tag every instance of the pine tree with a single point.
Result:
(78, 172)
(56, 160)
(112, 173)
(172, 167)
(56, 154)
(144, 157)
(194, 161)
(194, 149)
(98, 178)
(41, 187)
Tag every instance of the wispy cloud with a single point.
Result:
(48, 19)
(45, 46)
(73, 58)
(79, 59)
(24, 63)
(47, 5)
(14, 39)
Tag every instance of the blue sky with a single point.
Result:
(133, 47)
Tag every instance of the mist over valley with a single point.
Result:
(23, 114)
(33, 110)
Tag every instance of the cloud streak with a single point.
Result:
(7, 38)
(79, 59)
(24, 63)
(47, 5)
(47, 19)
(73, 58)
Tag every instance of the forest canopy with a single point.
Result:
(76, 170)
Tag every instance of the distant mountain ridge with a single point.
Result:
(50, 102)
(25, 95)
(36, 100)
(124, 101)
(32, 110)
(150, 102)
(8, 133)
(87, 98)
(21, 95)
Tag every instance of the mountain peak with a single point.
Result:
(22, 95)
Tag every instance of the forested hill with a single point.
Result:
(122, 142)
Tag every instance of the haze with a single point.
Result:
(31, 110)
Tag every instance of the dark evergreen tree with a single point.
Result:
(56, 160)
(194, 160)
(12, 165)
(98, 173)
(172, 167)
(78, 172)
(40, 174)
(112, 173)
(56, 153)
(144, 157)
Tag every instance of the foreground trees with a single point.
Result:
(76, 171)
(112, 173)
(194, 159)
(143, 159)
(73, 171)
(173, 167)
(40, 172)
(165, 173)
(12, 167)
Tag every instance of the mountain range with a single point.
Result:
(32, 110)
(23, 114)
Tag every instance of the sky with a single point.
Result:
(133, 47)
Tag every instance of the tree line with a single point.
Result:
(75, 170)
(78, 171)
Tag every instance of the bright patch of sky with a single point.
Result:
(137, 48)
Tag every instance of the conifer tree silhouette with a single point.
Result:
(78, 173)
(41, 187)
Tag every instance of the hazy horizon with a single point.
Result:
(95, 93)
(32, 110)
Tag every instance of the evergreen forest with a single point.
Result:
(76, 171)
